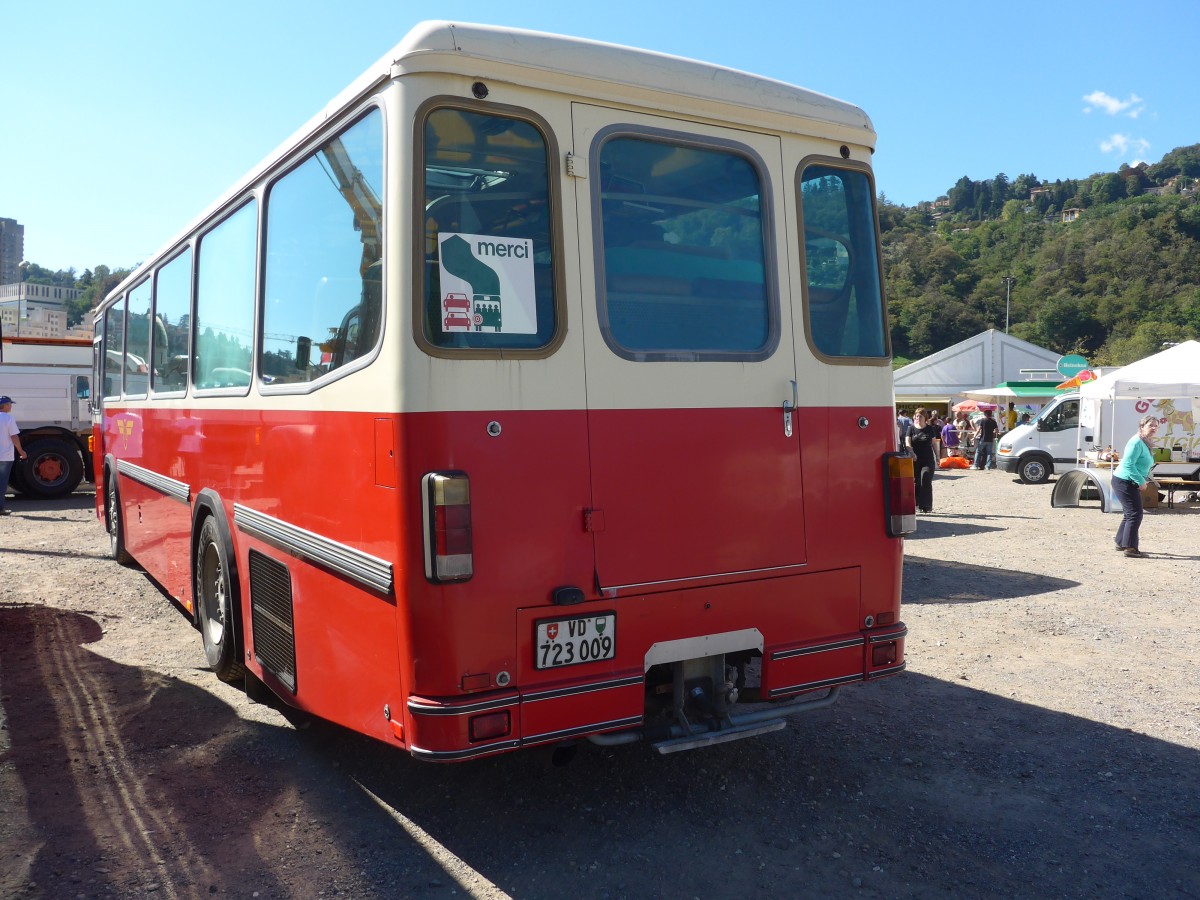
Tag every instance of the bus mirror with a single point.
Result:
(303, 351)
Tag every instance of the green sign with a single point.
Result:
(1071, 365)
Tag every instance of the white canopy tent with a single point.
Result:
(1174, 373)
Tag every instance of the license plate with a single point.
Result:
(580, 639)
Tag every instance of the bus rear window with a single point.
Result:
(684, 257)
(487, 253)
(844, 307)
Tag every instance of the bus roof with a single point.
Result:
(585, 68)
(442, 46)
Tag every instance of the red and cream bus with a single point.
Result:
(537, 389)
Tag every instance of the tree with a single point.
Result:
(1135, 178)
(1022, 186)
(1066, 323)
(962, 195)
(1107, 189)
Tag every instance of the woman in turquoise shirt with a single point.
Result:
(1127, 481)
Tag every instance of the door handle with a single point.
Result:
(789, 408)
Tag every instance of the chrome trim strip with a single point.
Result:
(417, 708)
(642, 584)
(814, 685)
(890, 636)
(547, 737)
(882, 673)
(176, 490)
(582, 689)
(448, 755)
(354, 564)
(819, 648)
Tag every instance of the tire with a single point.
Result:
(1034, 470)
(54, 468)
(115, 522)
(215, 607)
(16, 480)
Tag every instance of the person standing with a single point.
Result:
(950, 437)
(1132, 472)
(10, 449)
(903, 426)
(966, 433)
(985, 442)
(921, 439)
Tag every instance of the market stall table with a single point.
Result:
(1176, 477)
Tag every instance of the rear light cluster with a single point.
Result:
(488, 726)
(446, 502)
(883, 654)
(899, 494)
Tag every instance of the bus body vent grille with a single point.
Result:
(271, 617)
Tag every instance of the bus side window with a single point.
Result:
(224, 321)
(137, 341)
(323, 259)
(114, 348)
(172, 308)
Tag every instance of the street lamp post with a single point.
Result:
(1008, 283)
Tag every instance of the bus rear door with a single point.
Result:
(691, 379)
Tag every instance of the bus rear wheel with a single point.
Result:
(214, 604)
(116, 528)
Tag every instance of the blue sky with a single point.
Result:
(120, 122)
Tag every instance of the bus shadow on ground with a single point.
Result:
(122, 780)
(929, 528)
(913, 787)
(943, 525)
(945, 581)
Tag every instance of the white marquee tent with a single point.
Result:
(977, 364)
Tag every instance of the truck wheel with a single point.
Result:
(214, 602)
(1034, 470)
(16, 480)
(54, 468)
(116, 527)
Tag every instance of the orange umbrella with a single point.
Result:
(972, 406)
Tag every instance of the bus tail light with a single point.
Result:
(899, 494)
(449, 551)
(490, 725)
(883, 654)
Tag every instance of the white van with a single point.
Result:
(1060, 436)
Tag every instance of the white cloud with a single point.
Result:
(1098, 100)
(1123, 145)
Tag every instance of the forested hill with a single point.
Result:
(1114, 284)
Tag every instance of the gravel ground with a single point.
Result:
(1044, 743)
